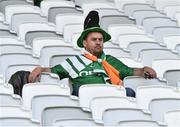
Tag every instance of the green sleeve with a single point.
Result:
(58, 69)
(121, 67)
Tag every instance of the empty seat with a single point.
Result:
(31, 90)
(129, 9)
(27, 27)
(172, 77)
(53, 11)
(146, 56)
(10, 10)
(88, 92)
(150, 23)
(117, 29)
(89, 6)
(39, 43)
(40, 102)
(125, 39)
(65, 19)
(107, 20)
(99, 104)
(136, 47)
(108, 11)
(160, 106)
(171, 41)
(5, 3)
(50, 114)
(47, 4)
(140, 15)
(161, 32)
(113, 116)
(21, 18)
(160, 4)
(120, 3)
(162, 65)
(135, 81)
(145, 94)
(39, 34)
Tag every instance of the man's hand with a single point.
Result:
(149, 73)
(35, 75)
(146, 72)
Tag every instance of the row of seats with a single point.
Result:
(47, 102)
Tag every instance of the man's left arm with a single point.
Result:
(145, 72)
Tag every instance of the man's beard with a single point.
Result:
(98, 54)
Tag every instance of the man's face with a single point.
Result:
(94, 43)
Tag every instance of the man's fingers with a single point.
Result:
(35, 75)
(32, 77)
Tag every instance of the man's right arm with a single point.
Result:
(34, 75)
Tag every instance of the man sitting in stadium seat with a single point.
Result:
(93, 65)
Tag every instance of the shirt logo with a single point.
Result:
(85, 73)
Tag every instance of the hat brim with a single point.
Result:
(106, 36)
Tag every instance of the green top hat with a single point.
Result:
(91, 24)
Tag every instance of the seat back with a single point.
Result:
(134, 82)
(50, 114)
(40, 102)
(106, 20)
(111, 117)
(145, 94)
(88, 92)
(158, 111)
(34, 89)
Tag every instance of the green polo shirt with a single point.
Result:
(81, 70)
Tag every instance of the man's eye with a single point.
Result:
(95, 39)
(100, 39)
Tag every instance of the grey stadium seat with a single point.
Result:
(60, 10)
(105, 21)
(50, 114)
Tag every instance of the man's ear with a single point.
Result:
(84, 43)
